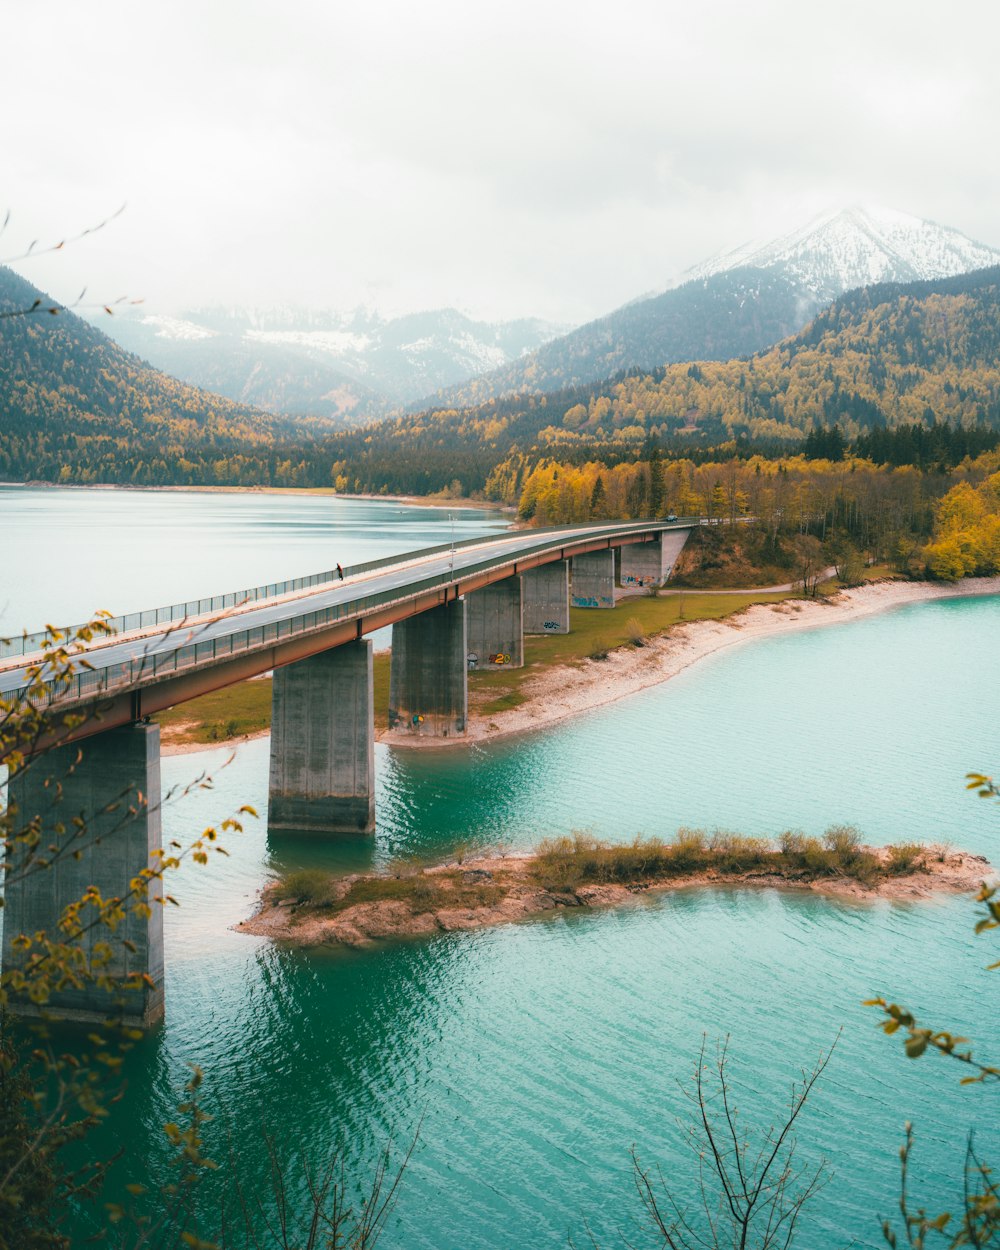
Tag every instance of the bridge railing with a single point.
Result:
(150, 618)
(94, 682)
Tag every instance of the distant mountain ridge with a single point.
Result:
(75, 407)
(739, 302)
(730, 314)
(349, 366)
(877, 358)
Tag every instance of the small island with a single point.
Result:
(314, 908)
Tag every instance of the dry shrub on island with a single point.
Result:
(582, 858)
(634, 631)
(563, 865)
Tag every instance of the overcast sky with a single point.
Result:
(553, 158)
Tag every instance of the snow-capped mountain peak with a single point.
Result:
(858, 246)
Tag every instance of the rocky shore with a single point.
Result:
(495, 890)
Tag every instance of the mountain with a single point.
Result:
(76, 407)
(739, 302)
(879, 358)
(226, 355)
(351, 366)
(856, 247)
(731, 314)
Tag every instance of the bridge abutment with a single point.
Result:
(594, 579)
(546, 598)
(650, 563)
(495, 625)
(114, 788)
(428, 675)
(322, 777)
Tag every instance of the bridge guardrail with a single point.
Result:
(25, 644)
(97, 681)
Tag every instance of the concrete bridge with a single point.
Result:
(453, 609)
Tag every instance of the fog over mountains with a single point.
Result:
(359, 366)
(741, 301)
(354, 365)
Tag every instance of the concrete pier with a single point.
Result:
(428, 683)
(594, 579)
(322, 778)
(495, 627)
(650, 563)
(545, 594)
(115, 789)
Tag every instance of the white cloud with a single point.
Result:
(550, 159)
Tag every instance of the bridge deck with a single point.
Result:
(155, 667)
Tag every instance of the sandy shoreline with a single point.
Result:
(563, 691)
(416, 501)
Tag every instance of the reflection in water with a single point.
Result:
(147, 548)
(535, 1054)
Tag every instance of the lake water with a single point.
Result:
(533, 1056)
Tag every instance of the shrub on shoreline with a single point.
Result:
(563, 865)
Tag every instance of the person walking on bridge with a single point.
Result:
(340, 571)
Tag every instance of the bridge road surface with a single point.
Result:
(405, 577)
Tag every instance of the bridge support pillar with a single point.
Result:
(428, 681)
(495, 625)
(649, 564)
(114, 786)
(546, 599)
(594, 579)
(322, 778)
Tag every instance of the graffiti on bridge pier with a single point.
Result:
(497, 659)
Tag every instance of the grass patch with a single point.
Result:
(421, 892)
(636, 634)
(871, 573)
(416, 890)
(380, 675)
(506, 702)
(231, 713)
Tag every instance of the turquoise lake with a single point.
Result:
(534, 1056)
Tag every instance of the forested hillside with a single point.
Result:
(75, 407)
(715, 318)
(879, 358)
(919, 360)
